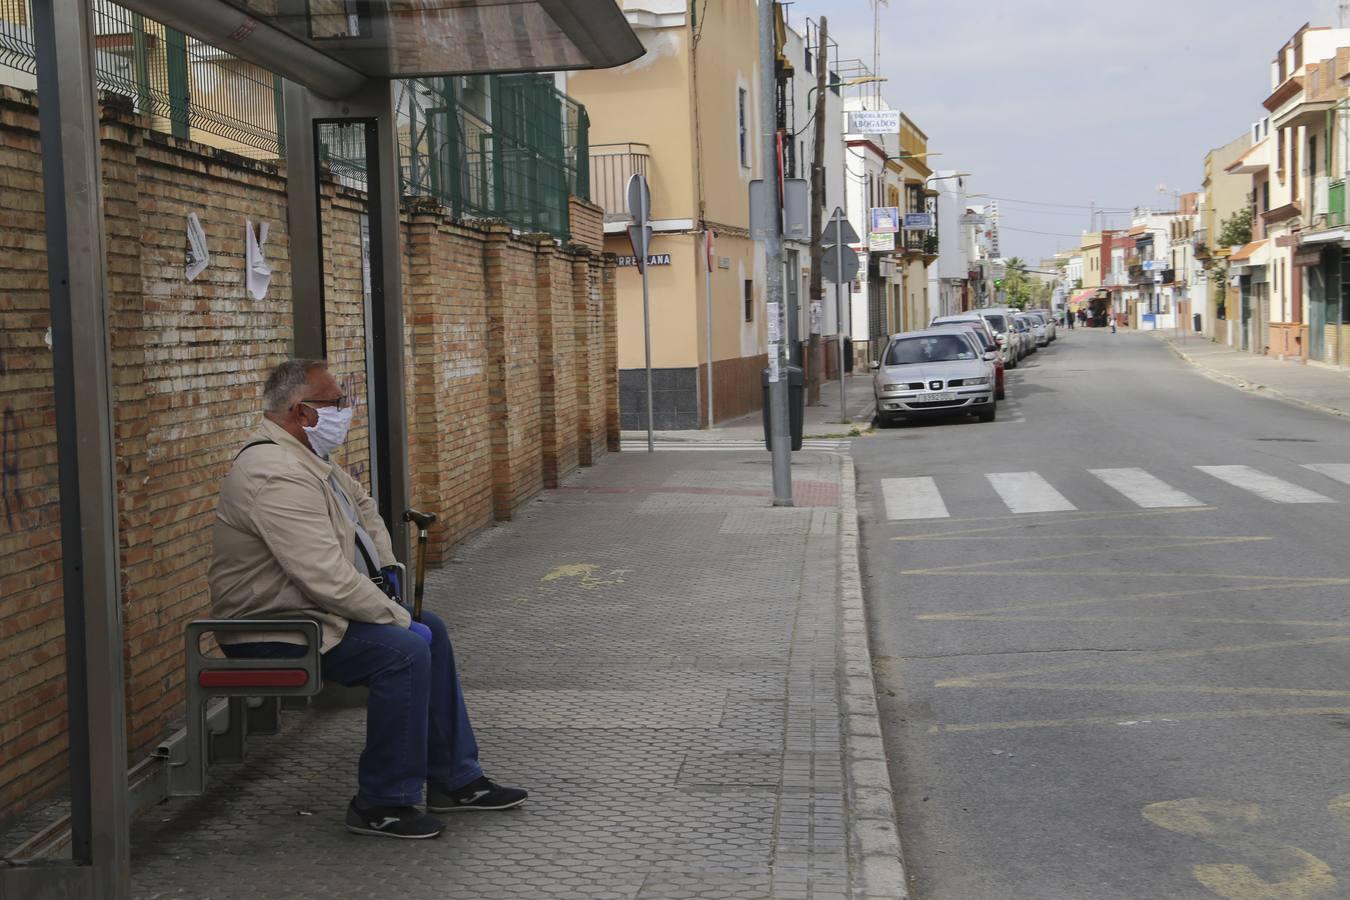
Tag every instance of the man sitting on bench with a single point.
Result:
(295, 535)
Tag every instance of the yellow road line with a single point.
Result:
(1181, 544)
(1188, 620)
(1142, 656)
(1128, 720)
(1159, 689)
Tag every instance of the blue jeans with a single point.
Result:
(417, 727)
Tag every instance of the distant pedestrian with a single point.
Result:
(1110, 317)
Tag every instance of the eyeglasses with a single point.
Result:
(339, 403)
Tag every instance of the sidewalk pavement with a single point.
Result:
(677, 671)
(1314, 386)
(820, 422)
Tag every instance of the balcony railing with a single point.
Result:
(611, 167)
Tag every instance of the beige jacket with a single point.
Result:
(283, 547)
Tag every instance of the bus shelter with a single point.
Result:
(340, 60)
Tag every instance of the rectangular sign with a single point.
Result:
(885, 220)
(881, 243)
(874, 121)
(654, 259)
(918, 221)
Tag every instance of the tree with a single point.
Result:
(1236, 230)
(1017, 283)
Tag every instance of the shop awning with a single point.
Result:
(1255, 254)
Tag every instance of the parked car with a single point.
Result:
(1051, 323)
(1022, 326)
(934, 372)
(1008, 342)
(978, 327)
(1039, 333)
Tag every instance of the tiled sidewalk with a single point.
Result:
(1319, 387)
(655, 652)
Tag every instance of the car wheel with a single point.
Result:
(1000, 394)
(990, 415)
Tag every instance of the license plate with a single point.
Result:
(936, 398)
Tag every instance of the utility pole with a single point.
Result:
(771, 214)
(817, 357)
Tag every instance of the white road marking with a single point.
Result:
(1268, 487)
(1028, 492)
(1337, 471)
(1145, 489)
(913, 498)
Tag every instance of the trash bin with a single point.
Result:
(796, 405)
(1195, 320)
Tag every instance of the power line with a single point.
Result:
(1003, 227)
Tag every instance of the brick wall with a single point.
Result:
(587, 224)
(188, 363)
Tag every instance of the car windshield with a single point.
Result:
(998, 323)
(1020, 324)
(929, 349)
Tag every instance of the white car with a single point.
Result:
(1005, 334)
(936, 372)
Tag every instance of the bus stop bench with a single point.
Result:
(254, 689)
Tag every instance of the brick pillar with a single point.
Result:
(544, 287)
(512, 358)
(609, 300)
(586, 352)
(129, 334)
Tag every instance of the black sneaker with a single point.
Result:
(479, 795)
(406, 822)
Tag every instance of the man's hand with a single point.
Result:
(421, 631)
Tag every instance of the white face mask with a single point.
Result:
(331, 430)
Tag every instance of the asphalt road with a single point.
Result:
(1106, 671)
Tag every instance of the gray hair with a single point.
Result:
(288, 382)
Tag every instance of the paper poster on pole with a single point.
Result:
(774, 371)
(774, 324)
(198, 257)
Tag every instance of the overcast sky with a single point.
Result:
(1072, 102)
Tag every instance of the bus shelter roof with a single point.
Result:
(334, 46)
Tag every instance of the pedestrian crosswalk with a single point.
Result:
(819, 445)
(1145, 489)
(921, 497)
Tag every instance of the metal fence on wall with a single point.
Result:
(508, 147)
(186, 88)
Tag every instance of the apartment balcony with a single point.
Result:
(1200, 243)
(611, 167)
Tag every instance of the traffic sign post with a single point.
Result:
(640, 233)
(840, 266)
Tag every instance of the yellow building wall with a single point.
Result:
(675, 334)
(728, 63)
(1092, 259)
(648, 102)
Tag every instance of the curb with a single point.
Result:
(1252, 387)
(876, 862)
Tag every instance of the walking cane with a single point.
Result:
(423, 521)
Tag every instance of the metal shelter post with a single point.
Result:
(100, 861)
(374, 108)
